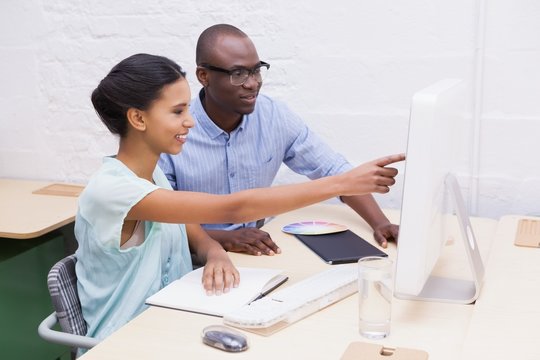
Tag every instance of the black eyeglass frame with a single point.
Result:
(251, 72)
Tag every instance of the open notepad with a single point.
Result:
(187, 293)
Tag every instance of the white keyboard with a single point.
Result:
(298, 300)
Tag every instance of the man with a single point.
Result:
(241, 138)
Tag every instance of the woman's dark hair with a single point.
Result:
(134, 82)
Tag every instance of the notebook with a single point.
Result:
(340, 248)
(187, 293)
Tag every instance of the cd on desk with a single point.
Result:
(313, 227)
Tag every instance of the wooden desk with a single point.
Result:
(438, 328)
(506, 320)
(24, 215)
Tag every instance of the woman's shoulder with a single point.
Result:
(113, 180)
(109, 173)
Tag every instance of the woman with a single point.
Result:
(129, 225)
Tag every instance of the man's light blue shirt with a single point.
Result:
(250, 156)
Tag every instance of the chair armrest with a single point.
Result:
(58, 337)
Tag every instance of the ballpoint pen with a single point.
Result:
(271, 286)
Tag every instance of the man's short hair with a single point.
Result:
(209, 37)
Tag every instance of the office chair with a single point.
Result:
(62, 283)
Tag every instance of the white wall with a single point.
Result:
(349, 68)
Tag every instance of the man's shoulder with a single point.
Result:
(269, 106)
(265, 100)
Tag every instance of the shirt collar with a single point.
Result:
(203, 120)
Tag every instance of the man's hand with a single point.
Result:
(386, 232)
(247, 240)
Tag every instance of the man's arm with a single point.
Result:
(369, 210)
(309, 155)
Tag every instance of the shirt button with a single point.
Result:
(228, 144)
(232, 174)
(166, 279)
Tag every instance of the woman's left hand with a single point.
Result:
(219, 274)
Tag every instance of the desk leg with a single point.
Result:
(70, 243)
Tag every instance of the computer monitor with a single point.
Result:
(431, 197)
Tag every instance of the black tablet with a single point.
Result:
(340, 248)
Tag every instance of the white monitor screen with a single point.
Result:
(436, 113)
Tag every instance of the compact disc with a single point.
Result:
(316, 227)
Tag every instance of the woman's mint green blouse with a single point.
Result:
(114, 283)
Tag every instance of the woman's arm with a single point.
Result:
(191, 207)
(219, 274)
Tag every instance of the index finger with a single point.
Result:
(387, 160)
(232, 279)
(271, 246)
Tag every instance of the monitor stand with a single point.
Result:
(451, 290)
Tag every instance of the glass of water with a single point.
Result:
(375, 284)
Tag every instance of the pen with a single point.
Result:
(271, 286)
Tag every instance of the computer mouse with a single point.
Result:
(224, 338)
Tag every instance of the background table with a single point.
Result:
(505, 323)
(25, 215)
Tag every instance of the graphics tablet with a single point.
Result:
(340, 248)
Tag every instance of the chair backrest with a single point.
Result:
(62, 283)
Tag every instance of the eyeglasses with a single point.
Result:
(239, 76)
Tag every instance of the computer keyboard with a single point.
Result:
(297, 300)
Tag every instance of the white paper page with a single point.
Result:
(187, 293)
